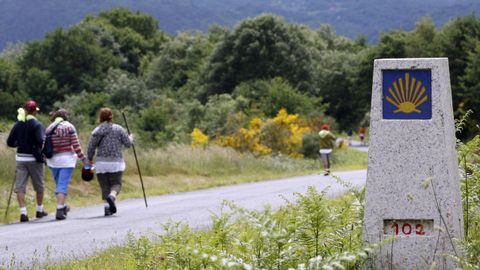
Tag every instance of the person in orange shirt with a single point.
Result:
(361, 134)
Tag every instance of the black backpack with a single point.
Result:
(48, 145)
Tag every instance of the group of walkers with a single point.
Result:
(107, 139)
(361, 136)
(28, 136)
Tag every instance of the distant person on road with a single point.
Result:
(361, 134)
(327, 142)
(66, 150)
(349, 137)
(27, 136)
(109, 139)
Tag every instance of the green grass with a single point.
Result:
(175, 168)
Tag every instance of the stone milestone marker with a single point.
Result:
(413, 188)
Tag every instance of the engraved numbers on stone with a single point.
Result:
(408, 227)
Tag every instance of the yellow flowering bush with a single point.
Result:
(199, 138)
(282, 134)
(246, 139)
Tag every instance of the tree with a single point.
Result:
(470, 97)
(178, 62)
(327, 39)
(420, 42)
(456, 41)
(40, 85)
(157, 121)
(126, 90)
(75, 59)
(342, 87)
(8, 75)
(141, 23)
(392, 45)
(137, 34)
(10, 96)
(261, 48)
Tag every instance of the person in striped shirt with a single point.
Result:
(66, 150)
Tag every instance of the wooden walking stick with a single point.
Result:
(9, 200)
(136, 160)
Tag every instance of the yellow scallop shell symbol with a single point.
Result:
(407, 95)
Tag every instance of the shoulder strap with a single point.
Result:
(53, 129)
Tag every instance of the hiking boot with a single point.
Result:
(111, 204)
(107, 211)
(326, 172)
(66, 209)
(62, 212)
(41, 214)
(23, 218)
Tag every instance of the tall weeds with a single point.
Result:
(308, 233)
(469, 159)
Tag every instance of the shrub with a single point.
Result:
(280, 135)
(310, 145)
(217, 111)
(198, 138)
(269, 96)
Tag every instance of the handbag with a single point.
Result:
(48, 145)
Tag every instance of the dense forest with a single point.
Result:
(220, 80)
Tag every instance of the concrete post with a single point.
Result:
(413, 187)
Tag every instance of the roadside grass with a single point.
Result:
(175, 168)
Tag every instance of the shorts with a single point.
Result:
(109, 182)
(325, 153)
(62, 178)
(23, 170)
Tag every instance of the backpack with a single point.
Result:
(48, 145)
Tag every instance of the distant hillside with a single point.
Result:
(23, 20)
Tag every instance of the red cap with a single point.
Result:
(31, 106)
(325, 126)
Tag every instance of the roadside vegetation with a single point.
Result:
(469, 161)
(311, 232)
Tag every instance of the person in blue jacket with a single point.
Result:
(27, 135)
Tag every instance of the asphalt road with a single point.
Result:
(86, 230)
